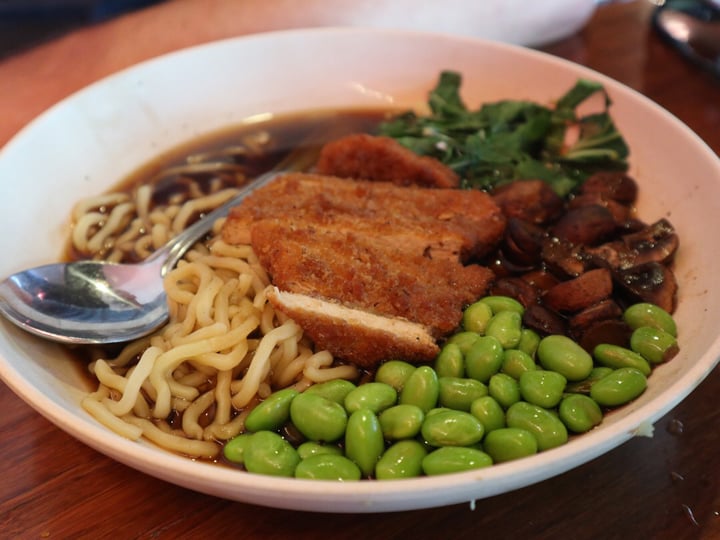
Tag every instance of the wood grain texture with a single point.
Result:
(667, 486)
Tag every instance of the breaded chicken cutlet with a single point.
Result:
(369, 270)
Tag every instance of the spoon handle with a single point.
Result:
(171, 252)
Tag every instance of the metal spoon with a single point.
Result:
(692, 27)
(95, 302)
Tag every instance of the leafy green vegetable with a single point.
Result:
(514, 139)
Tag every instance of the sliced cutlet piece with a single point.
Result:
(355, 335)
(370, 157)
(362, 273)
(428, 239)
(471, 214)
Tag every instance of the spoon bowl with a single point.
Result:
(86, 302)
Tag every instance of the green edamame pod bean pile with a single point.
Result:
(496, 392)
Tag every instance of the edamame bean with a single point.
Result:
(506, 327)
(507, 444)
(500, 303)
(464, 340)
(234, 449)
(614, 356)
(402, 460)
(328, 467)
(516, 362)
(395, 373)
(598, 372)
(452, 459)
(579, 413)
(376, 396)
(583, 387)
(560, 353)
(654, 344)
(401, 421)
(450, 362)
(619, 387)
(545, 426)
(529, 341)
(476, 317)
(334, 390)
(421, 389)
(504, 389)
(436, 410)
(484, 358)
(452, 428)
(364, 443)
(268, 453)
(457, 393)
(489, 412)
(312, 448)
(318, 418)
(542, 388)
(646, 314)
(272, 412)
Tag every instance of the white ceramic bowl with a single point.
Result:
(90, 141)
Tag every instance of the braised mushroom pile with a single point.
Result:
(576, 264)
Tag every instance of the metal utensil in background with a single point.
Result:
(693, 28)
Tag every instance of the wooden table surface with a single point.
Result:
(668, 486)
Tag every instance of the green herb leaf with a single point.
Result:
(514, 139)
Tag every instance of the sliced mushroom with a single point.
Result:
(516, 288)
(610, 331)
(613, 185)
(632, 225)
(657, 242)
(650, 282)
(585, 225)
(504, 267)
(563, 258)
(604, 310)
(543, 320)
(541, 280)
(533, 201)
(522, 241)
(581, 292)
(621, 213)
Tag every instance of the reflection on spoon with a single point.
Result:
(693, 27)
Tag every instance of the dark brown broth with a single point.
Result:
(284, 134)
